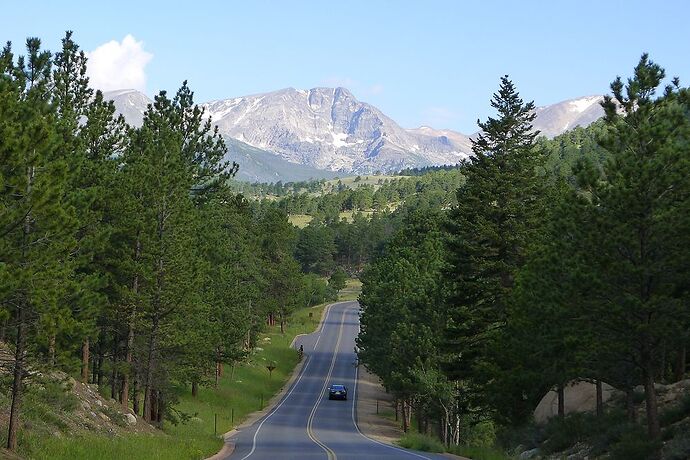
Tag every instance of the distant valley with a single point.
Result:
(293, 135)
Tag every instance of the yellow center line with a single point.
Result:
(310, 422)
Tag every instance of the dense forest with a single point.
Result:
(125, 258)
(560, 259)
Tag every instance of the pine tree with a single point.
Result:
(171, 166)
(638, 235)
(490, 230)
(36, 223)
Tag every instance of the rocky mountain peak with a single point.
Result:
(556, 119)
(329, 129)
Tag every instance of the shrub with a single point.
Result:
(57, 396)
(482, 434)
(421, 442)
(479, 453)
(635, 445)
(564, 433)
(677, 449)
(677, 412)
(117, 417)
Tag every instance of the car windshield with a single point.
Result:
(337, 387)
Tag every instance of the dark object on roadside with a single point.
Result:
(337, 392)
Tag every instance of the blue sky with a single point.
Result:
(421, 62)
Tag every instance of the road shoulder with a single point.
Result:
(376, 411)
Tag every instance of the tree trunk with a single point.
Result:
(630, 405)
(195, 389)
(662, 364)
(653, 426)
(124, 400)
(149, 373)
(681, 359)
(600, 398)
(113, 384)
(135, 396)
(17, 383)
(51, 349)
(85, 361)
(404, 416)
(561, 401)
(160, 408)
(98, 368)
(445, 421)
(150, 410)
(3, 331)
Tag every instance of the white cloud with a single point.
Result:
(118, 65)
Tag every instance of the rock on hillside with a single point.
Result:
(65, 407)
(580, 396)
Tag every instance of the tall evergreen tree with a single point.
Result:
(36, 223)
(490, 229)
(638, 236)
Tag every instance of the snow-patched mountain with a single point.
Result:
(130, 103)
(328, 128)
(556, 119)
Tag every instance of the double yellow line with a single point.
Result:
(310, 421)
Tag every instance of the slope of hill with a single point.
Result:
(258, 165)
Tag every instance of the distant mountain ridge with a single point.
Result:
(293, 134)
(556, 119)
(328, 128)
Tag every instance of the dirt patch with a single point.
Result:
(374, 409)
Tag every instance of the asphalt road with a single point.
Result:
(305, 425)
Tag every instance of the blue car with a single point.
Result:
(337, 392)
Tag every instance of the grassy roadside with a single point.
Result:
(240, 392)
(427, 443)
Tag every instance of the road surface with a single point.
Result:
(305, 425)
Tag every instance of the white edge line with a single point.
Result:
(354, 421)
(317, 342)
(294, 385)
(273, 411)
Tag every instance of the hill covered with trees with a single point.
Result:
(558, 260)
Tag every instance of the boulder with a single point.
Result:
(580, 396)
(131, 419)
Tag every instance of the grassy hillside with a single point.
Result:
(258, 165)
(241, 390)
